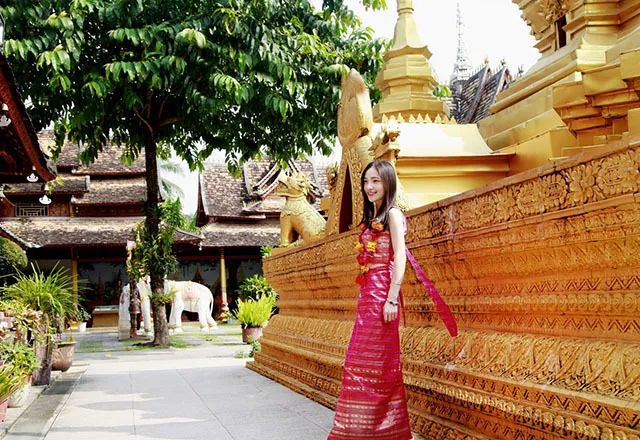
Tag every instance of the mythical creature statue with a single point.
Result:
(299, 221)
(355, 126)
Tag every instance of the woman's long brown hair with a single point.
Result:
(387, 174)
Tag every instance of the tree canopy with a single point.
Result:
(242, 76)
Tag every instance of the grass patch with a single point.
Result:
(90, 347)
(173, 343)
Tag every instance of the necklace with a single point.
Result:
(367, 251)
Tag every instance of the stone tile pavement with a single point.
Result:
(116, 390)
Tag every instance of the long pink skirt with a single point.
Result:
(372, 402)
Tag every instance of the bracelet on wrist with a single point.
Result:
(392, 302)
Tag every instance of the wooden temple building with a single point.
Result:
(82, 219)
(537, 250)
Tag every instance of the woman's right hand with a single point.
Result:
(389, 312)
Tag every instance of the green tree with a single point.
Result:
(248, 77)
(12, 259)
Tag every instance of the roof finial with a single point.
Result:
(405, 33)
(462, 67)
(407, 79)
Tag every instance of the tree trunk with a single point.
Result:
(160, 328)
(44, 353)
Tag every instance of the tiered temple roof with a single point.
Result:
(473, 97)
(35, 232)
(92, 205)
(244, 211)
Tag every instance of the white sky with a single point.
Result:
(492, 29)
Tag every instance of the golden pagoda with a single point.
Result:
(435, 157)
(540, 268)
(583, 91)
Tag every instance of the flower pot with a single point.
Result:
(19, 397)
(82, 327)
(3, 409)
(63, 356)
(251, 332)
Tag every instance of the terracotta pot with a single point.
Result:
(63, 356)
(19, 397)
(3, 409)
(248, 332)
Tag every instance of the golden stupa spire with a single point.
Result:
(407, 79)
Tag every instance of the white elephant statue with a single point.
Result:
(124, 317)
(192, 297)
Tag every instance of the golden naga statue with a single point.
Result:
(355, 125)
(299, 221)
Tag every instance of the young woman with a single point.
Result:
(372, 404)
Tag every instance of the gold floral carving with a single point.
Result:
(618, 174)
(582, 185)
(605, 368)
(552, 10)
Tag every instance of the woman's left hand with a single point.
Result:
(389, 312)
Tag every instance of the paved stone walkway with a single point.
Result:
(119, 391)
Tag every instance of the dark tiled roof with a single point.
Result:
(70, 185)
(236, 234)
(115, 191)
(222, 195)
(107, 163)
(76, 231)
(473, 97)
(494, 85)
(253, 194)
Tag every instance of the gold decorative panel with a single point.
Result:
(541, 270)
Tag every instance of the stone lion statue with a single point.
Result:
(299, 221)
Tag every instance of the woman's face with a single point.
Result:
(373, 186)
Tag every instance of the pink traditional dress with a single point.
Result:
(372, 402)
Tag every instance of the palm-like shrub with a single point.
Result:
(255, 287)
(255, 313)
(50, 294)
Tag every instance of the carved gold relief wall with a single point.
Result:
(542, 271)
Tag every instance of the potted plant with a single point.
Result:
(23, 359)
(83, 317)
(253, 314)
(63, 354)
(51, 295)
(10, 380)
(255, 287)
(26, 322)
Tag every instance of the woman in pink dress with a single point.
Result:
(372, 404)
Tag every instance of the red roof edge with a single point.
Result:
(22, 124)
